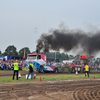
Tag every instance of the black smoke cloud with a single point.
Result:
(69, 40)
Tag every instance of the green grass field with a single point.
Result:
(51, 77)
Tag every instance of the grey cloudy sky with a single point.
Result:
(23, 21)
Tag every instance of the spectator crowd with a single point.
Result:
(8, 64)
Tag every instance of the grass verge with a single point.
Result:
(51, 77)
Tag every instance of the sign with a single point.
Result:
(84, 57)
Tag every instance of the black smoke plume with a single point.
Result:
(69, 40)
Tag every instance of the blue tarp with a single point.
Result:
(9, 57)
(1, 57)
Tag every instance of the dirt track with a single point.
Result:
(23, 73)
(51, 90)
(83, 89)
(10, 73)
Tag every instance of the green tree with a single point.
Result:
(67, 57)
(71, 56)
(10, 51)
(51, 55)
(0, 52)
(97, 62)
(21, 51)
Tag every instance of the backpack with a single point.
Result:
(31, 69)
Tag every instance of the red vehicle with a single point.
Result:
(80, 67)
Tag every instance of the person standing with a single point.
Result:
(16, 69)
(86, 70)
(30, 71)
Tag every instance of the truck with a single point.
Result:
(40, 63)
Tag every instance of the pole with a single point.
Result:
(55, 56)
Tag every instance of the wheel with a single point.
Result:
(73, 70)
(83, 70)
(41, 69)
(56, 70)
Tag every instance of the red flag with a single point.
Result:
(24, 54)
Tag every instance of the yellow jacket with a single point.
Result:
(16, 66)
(86, 68)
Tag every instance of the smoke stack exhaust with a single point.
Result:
(69, 40)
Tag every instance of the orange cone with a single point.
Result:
(94, 77)
(40, 79)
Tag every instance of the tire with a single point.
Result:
(56, 70)
(83, 70)
(41, 69)
(73, 70)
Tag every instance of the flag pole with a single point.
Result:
(24, 54)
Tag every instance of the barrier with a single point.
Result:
(28, 77)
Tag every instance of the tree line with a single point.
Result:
(12, 51)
